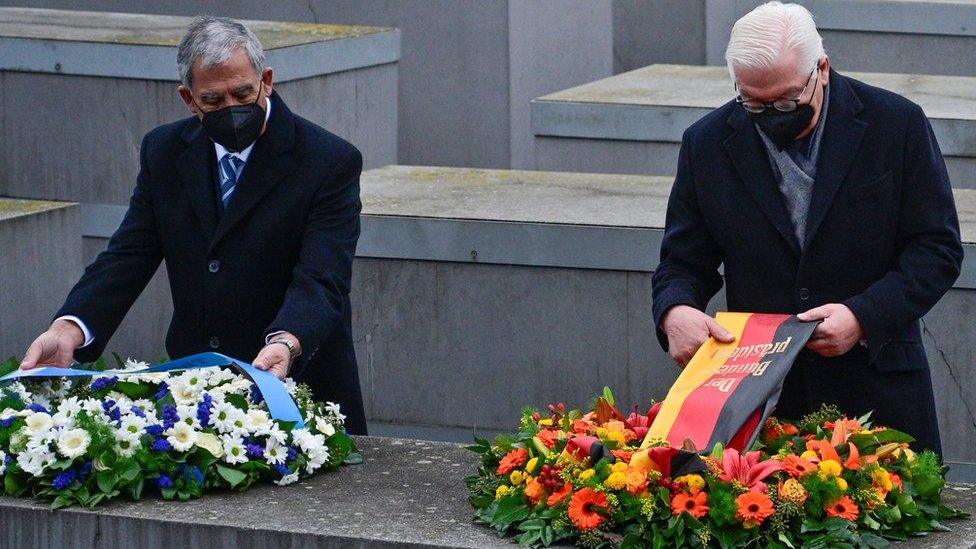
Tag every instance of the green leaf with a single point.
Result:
(9, 365)
(608, 395)
(232, 476)
(237, 401)
(135, 490)
(106, 481)
(133, 390)
(510, 510)
(131, 471)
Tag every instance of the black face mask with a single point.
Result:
(235, 127)
(783, 127)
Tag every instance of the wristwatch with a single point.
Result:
(293, 351)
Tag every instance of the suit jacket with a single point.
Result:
(882, 233)
(279, 257)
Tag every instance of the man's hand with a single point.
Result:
(837, 334)
(276, 357)
(55, 347)
(687, 328)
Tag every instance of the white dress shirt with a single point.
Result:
(221, 151)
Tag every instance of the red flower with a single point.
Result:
(797, 467)
(694, 503)
(579, 446)
(747, 469)
(588, 508)
(844, 508)
(560, 495)
(549, 437)
(753, 508)
(513, 460)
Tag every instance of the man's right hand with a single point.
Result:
(687, 328)
(55, 347)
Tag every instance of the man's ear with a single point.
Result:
(268, 78)
(187, 98)
(825, 70)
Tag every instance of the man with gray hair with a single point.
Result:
(256, 212)
(823, 196)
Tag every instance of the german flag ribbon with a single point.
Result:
(727, 390)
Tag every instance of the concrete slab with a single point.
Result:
(407, 494)
(140, 46)
(655, 104)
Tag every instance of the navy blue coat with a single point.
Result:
(279, 258)
(882, 237)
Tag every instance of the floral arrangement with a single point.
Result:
(87, 440)
(824, 481)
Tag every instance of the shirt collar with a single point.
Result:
(221, 151)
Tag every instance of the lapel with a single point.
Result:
(270, 160)
(748, 153)
(194, 170)
(838, 148)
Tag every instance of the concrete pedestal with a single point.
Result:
(633, 122)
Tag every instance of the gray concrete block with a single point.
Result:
(905, 36)
(653, 105)
(41, 254)
(657, 31)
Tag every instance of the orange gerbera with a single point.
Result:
(753, 508)
(797, 467)
(694, 503)
(587, 508)
(560, 495)
(844, 508)
(548, 437)
(535, 491)
(512, 460)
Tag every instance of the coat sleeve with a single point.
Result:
(314, 302)
(688, 271)
(930, 249)
(111, 283)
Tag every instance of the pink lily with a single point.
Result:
(747, 469)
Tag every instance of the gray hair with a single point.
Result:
(212, 40)
(762, 35)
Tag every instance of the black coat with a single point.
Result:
(882, 237)
(279, 257)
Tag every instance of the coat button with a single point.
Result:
(213, 266)
(804, 294)
(214, 342)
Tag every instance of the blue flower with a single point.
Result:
(154, 430)
(292, 453)
(161, 445)
(203, 410)
(7, 422)
(164, 482)
(255, 451)
(283, 469)
(137, 410)
(111, 410)
(85, 469)
(35, 407)
(192, 473)
(163, 391)
(103, 383)
(170, 416)
(63, 480)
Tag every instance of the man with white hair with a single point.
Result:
(256, 212)
(823, 196)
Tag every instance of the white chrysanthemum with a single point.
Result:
(41, 399)
(274, 452)
(67, 410)
(184, 393)
(131, 428)
(219, 376)
(234, 450)
(188, 415)
(275, 432)
(20, 390)
(126, 447)
(196, 379)
(335, 416)
(291, 386)
(133, 364)
(93, 407)
(324, 426)
(181, 437)
(73, 443)
(123, 402)
(307, 441)
(33, 461)
(316, 459)
(39, 423)
(3, 462)
(287, 479)
(226, 417)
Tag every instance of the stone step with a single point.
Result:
(905, 36)
(633, 122)
(407, 494)
(41, 259)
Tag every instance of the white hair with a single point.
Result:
(212, 40)
(761, 36)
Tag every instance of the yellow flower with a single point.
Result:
(546, 422)
(501, 491)
(793, 491)
(530, 466)
(586, 475)
(692, 481)
(909, 454)
(881, 479)
(841, 483)
(619, 467)
(516, 477)
(616, 481)
(809, 455)
(829, 468)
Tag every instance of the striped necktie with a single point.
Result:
(230, 170)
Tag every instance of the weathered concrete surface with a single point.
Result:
(646, 111)
(407, 494)
(657, 31)
(906, 36)
(41, 254)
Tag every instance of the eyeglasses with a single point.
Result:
(782, 105)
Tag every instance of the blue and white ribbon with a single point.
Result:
(281, 405)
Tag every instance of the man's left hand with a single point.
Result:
(276, 357)
(837, 334)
